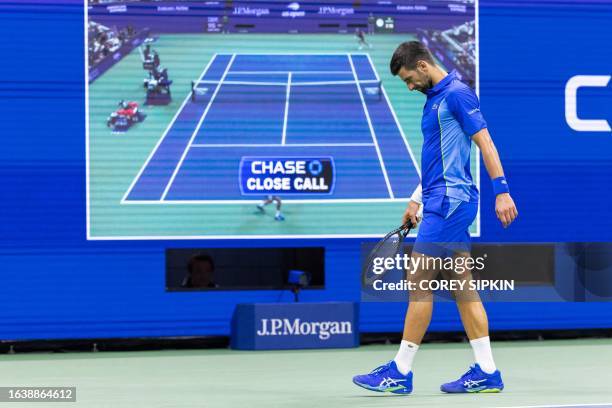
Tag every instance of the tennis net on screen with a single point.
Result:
(276, 91)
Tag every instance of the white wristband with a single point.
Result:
(417, 195)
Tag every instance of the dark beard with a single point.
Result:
(426, 87)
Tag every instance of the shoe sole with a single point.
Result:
(485, 391)
(390, 390)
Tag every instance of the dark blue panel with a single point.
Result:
(548, 164)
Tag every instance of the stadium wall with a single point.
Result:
(56, 284)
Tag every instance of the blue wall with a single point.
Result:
(55, 284)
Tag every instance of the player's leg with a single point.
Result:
(483, 376)
(279, 215)
(475, 322)
(473, 314)
(416, 322)
(261, 206)
(396, 375)
(359, 42)
(474, 319)
(420, 309)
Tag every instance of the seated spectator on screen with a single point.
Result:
(104, 40)
(200, 272)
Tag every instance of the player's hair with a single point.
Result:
(200, 258)
(407, 54)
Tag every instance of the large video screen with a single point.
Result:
(216, 119)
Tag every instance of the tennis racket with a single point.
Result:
(388, 247)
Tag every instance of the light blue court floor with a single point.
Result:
(537, 374)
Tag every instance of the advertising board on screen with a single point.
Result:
(180, 124)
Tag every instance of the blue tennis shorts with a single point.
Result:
(444, 229)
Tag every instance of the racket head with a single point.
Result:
(389, 247)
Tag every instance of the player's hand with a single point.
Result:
(412, 214)
(505, 209)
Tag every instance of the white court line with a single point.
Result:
(254, 83)
(141, 52)
(297, 201)
(180, 109)
(322, 53)
(87, 193)
(286, 72)
(367, 114)
(304, 83)
(234, 237)
(195, 132)
(285, 145)
(284, 137)
(477, 34)
(399, 126)
(311, 83)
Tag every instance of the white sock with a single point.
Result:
(405, 355)
(483, 354)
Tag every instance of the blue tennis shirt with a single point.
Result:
(451, 117)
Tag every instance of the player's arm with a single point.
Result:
(504, 205)
(413, 213)
(465, 107)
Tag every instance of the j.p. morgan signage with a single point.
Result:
(295, 326)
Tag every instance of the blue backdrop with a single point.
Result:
(55, 284)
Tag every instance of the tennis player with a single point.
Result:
(361, 40)
(269, 200)
(451, 121)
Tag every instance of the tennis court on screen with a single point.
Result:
(130, 172)
(280, 105)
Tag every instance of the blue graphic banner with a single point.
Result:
(287, 175)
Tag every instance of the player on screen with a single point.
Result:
(269, 200)
(451, 121)
(361, 41)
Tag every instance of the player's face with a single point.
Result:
(415, 79)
